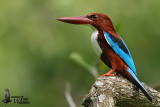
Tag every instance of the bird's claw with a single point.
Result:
(108, 74)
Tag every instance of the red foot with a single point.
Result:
(108, 74)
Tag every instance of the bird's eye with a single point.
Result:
(94, 16)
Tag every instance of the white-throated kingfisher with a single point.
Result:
(109, 46)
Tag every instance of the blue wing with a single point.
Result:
(121, 50)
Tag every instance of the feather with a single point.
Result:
(131, 76)
(121, 50)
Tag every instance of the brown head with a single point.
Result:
(98, 20)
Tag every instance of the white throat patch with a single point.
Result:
(95, 44)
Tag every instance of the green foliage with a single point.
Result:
(79, 60)
(34, 47)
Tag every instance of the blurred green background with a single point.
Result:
(35, 48)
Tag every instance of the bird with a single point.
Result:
(7, 97)
(109, 47)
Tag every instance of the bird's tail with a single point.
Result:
(133, 78)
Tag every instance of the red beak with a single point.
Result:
(75, 20)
